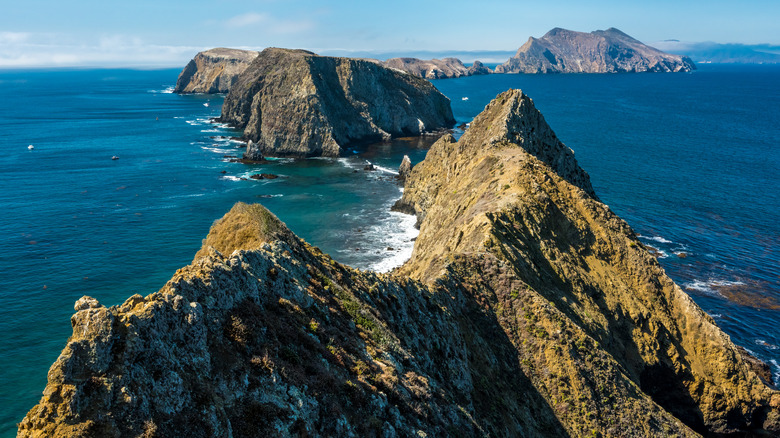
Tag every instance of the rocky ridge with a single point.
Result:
(213, 71)
(527, 309)
(296, 103)
(601, 51)
(436, 68)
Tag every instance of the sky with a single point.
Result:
(161, 33)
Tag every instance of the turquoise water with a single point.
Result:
(689, 160)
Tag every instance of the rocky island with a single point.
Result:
(436, 68)
(296, 103)
(601, 51)
(528, 308)
(213, 71)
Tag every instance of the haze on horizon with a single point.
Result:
(145, 33)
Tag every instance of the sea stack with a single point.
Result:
(528, 308)
(213, 71)
(601, 51)
(296, 103)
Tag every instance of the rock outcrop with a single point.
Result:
(528, 308)
(213, 71)
(296, 103)
(477, 68)
(405, 168)
(429, 69)
(601, 51)
(253, 152)
(444, 68)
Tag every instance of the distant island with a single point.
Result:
(601, 51)
(558, 51)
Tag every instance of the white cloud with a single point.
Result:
(13, 37)
(247, 19)
(269, 24)
(52, 50)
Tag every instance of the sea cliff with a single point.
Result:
(296, 103)
(601, 51)
(213, 71)
(528, 308)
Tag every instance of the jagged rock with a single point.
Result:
(429, 69)
(493, 192)
(296, 103)
(528, 308)
(478, 69)
(405, 168)
(253, 152)
(86, 302)
(213, 71)
(601, 51)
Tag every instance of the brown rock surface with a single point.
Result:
(213, 71)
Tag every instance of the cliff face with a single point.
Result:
(602, 51)
(296, 103)
(527, 309)
(213, 71)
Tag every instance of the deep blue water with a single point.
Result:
(689, 160)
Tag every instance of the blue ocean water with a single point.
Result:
(689, 160)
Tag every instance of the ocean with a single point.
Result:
(690, 161)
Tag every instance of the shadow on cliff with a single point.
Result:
(570, 286)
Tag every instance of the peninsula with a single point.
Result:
(528, 308)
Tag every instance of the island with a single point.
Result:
(601, 51)
(294, 103)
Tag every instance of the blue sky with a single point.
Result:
(168, 33)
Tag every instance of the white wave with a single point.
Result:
(658, 239)
(661, 254)
(385, 169)
(217, 150)
(710, 286)
(167, 90)
(398, 233)
(765, 344)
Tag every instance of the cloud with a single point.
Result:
(13, 37)
(60, 50)
(269, 24)
(247, 19)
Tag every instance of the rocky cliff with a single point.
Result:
(527, 309)
(429, 69)
(213, 71)
(296, 103)
(601, 51)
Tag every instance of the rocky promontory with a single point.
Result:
(528, 308)
(601, 51)
(296, 103)
(213, 71)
